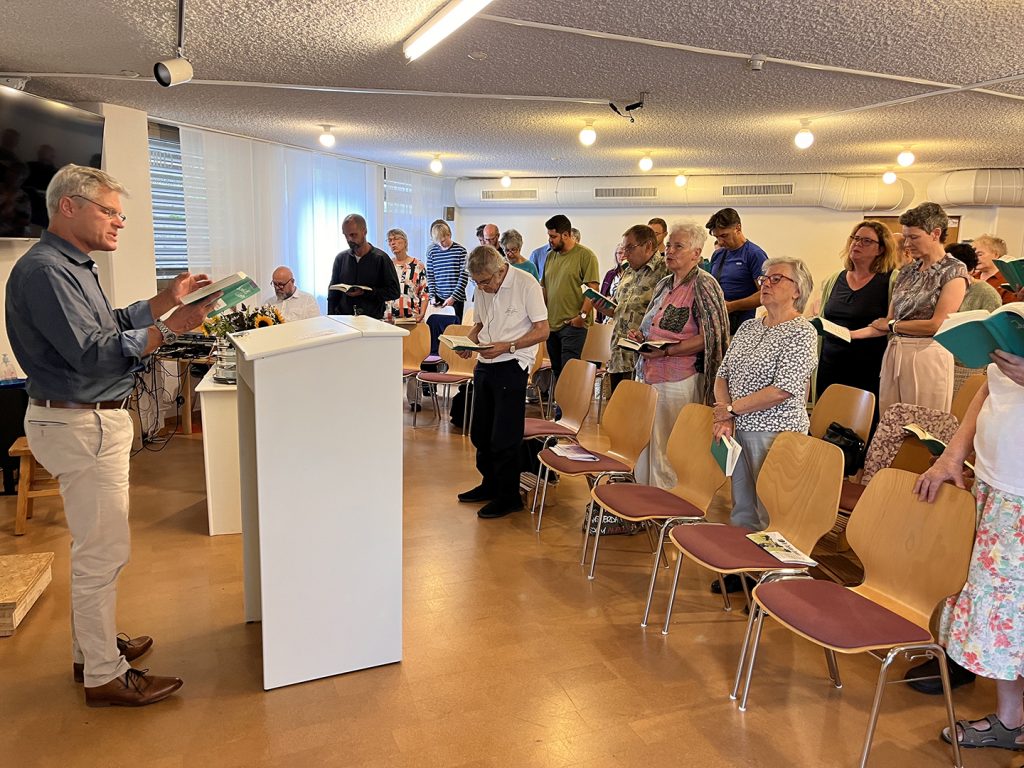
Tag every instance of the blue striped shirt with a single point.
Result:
(446, 272)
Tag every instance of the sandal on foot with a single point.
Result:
(996, 735)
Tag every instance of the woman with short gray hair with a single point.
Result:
(762, 382)
(512, 243)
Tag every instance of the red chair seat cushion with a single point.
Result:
(725, 548)
(836, 616)
(410, 371)
(643, 502)
(543, 427)
(566, 466)
(850, 495)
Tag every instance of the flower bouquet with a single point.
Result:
(242, 319)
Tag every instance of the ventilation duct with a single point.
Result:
(979, 186)
(841, 193)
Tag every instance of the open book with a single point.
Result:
(573, 451)
(726, 452)
(604, 302)
(973, 336)
(776, 545)
(930, 441)
(643, 346)
(462, 343)
(823, 327)
(237, 288)
(345, 287)
(432, 310)
(1013, 271)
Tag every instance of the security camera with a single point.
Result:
(172, 71)
(756, 63)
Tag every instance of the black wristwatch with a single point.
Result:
(169, 336)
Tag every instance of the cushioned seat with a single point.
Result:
(850, 495)
(643, 502)
(724, 548)
(442, 378)
(566, 466)
(542, 428)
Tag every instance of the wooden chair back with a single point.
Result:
(415, 346)
(457, 366)
(915, 554)
(538, 360)
(962, 399)
(912, 456)
(597, 348)
(799, 485)
(851, 407)
(467, 317)
(574, 392)
(698, 476)
(628, 420)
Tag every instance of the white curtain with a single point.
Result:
(251, 206)
(411, 202)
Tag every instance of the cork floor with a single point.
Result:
(511, 656)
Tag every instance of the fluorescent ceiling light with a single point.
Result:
(442, 24)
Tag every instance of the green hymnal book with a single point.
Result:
(598, 298)
(726, 452)
(973, 336)
(823, 326)
(1013, 271)
(462, 343)
(237, 288)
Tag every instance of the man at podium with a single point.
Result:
(363, 279)
(511, 320)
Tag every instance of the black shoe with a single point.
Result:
(733, 584)
(415, 407)
(477, 494)
(930, 669)
(499, 508)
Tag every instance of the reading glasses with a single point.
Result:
(110, 213)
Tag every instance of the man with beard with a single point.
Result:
(361, 265)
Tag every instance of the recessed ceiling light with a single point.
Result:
(889, 177)
(681, 180)
(327, 138)
(646, 163)
(435, 164)
(506, 181)
(588, 135)
(804, 138)
(905, 158)
(478, 55)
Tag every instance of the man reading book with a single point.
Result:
(361, 265)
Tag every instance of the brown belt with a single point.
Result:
(104, 405)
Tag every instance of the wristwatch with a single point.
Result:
(169, 336)
(512, 348)
(583, 315)
(892, 326)
(729, 409)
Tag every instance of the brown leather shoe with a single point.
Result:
(136, 688)
(129, 647)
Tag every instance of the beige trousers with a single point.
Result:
(653, 468)
(88, 453)
(918, 371)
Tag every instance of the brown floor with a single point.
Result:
(512, 657)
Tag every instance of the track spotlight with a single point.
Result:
(327, 138)
(178, 70)
(506, 181)
(435, 164)
(646, 163)
(681, 180)
(905, 158)
(588, 135)
(889, 177)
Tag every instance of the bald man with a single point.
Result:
(290, 301)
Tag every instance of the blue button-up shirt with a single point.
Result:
(70, 342)
(538, 257)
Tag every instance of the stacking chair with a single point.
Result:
(851, 407)
(915, 555)
(597, 349)
(962, 399)
(460, 371)
(540, 364)
(574, 392)
(630, 419)
(799, 485)
(415, 347)
(698, 478)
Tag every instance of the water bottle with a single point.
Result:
(7, 372)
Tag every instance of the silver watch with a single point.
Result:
(169, 336)
(512, 348)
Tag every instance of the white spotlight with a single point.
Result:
(327, 138)
(803, 139)
(506, 181)
(905, 158)
(172, 71)
(646, 163)
(442, 24)
(588, 135)
(435, 164)
(681, 180)
(889, 177)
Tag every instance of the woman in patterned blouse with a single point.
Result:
(412, 279)
(762, 383)
(915, 368)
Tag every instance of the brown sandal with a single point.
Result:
(996, 735)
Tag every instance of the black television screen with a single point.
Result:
(37, 137)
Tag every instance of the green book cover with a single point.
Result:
(973, 336)
(1013, 271)
(236, 288)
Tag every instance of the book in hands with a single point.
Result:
(973, 336)
(776, 545)
(573, 451)
(647, 345)
(827, 327)
(345, 287)
(598, 298)
(726, 452)
(462, 343)
(931, 442)
(1013, 271)
(236, 288)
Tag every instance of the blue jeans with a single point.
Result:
(747, 510)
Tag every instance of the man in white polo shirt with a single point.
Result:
(511, 317)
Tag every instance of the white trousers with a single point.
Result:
(653, 468)
(88, 453)
(918, 371)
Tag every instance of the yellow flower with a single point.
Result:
(262, 321)
(277, 315)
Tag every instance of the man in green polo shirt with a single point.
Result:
(569, 265)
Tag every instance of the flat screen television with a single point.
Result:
(37, 137)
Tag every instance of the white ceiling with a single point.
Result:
(705, 113)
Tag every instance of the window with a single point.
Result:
(168, 203)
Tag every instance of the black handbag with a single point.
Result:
(849, 443)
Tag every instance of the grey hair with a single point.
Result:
(693, 233)
(440, 230)
(804, 281)
(397, 233)
(511, 239)
(575, 234)
(484, 260)
(356, 219)
(81, 180)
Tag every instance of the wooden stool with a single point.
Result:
(29, 488)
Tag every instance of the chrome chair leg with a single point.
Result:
(597, 540)
(586, 528)
(543, 497)
(833, 668)
(726, 600)
(744, 650)
(658, 554)
(939, 653)
(672, 594)
(883, 674)
(758, 626)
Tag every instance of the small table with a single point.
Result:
(219, 404)
(185, 377)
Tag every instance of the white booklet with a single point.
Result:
(345, 287)
(573, 451)
(432, 310)
(776, 545)
(823, 326)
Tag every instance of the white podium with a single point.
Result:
(219, 404)
(320, 446)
